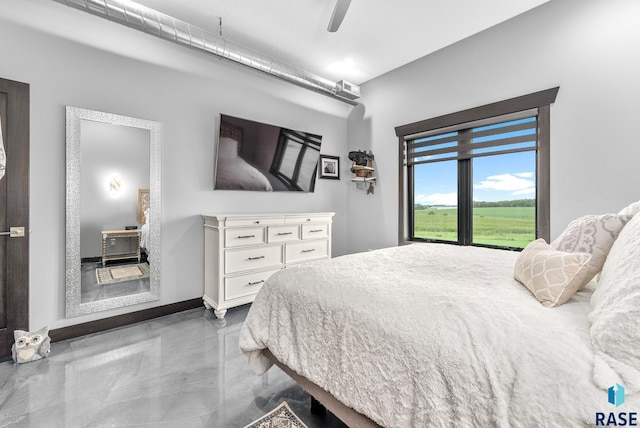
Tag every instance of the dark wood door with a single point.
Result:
(14, 211)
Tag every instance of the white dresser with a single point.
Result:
(242, 250)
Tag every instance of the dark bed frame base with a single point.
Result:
(317, 408)
(321, 400)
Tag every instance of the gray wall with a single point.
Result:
(122, 71)
(587, 47)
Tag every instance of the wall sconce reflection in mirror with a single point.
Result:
(363, 169)
(114, 185)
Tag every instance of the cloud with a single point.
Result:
(530, 191)
(437, 199)
(507, 182)
(524, 174)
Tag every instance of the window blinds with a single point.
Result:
(516, 133)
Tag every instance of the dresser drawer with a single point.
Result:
(310, 231)
(308, 219)
(244, 236)
(253, 221)
(245, 285)
(283, 233)
(253, 258)
(298, 252)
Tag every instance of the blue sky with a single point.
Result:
(495, 178)
(499, 177)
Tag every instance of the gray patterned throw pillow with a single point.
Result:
(593, 234)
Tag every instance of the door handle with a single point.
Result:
(14, 232)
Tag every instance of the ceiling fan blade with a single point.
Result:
(338, 15)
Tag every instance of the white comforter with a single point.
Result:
(144, 237)
(430, 335)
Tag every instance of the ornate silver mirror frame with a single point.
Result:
(74, 304)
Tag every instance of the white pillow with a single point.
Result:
(631, 209)
(552, 276)
(615, 318)
(227, 148)
(593, 234)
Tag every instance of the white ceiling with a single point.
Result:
(375, 36)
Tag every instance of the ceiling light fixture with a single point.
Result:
(142, 18)
(346, 67)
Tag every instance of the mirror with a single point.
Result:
(113, 211)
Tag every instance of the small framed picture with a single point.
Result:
(330, 167)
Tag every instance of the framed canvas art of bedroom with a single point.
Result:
(258, 156)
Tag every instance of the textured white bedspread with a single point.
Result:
(144, 237)
(430, 335)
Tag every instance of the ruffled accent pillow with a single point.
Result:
(593, 234)
(552, 276)
(631, 209)
(615, 318)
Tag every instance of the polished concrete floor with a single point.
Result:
(182, 370)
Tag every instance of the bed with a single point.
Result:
(440, 335)
(144, 235)
(144, 238)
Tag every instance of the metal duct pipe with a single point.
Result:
(151, 21)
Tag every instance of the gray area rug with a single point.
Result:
(112, 275)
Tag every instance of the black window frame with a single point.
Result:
(537, 103)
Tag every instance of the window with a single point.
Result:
(295, 159)
(478, 177)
